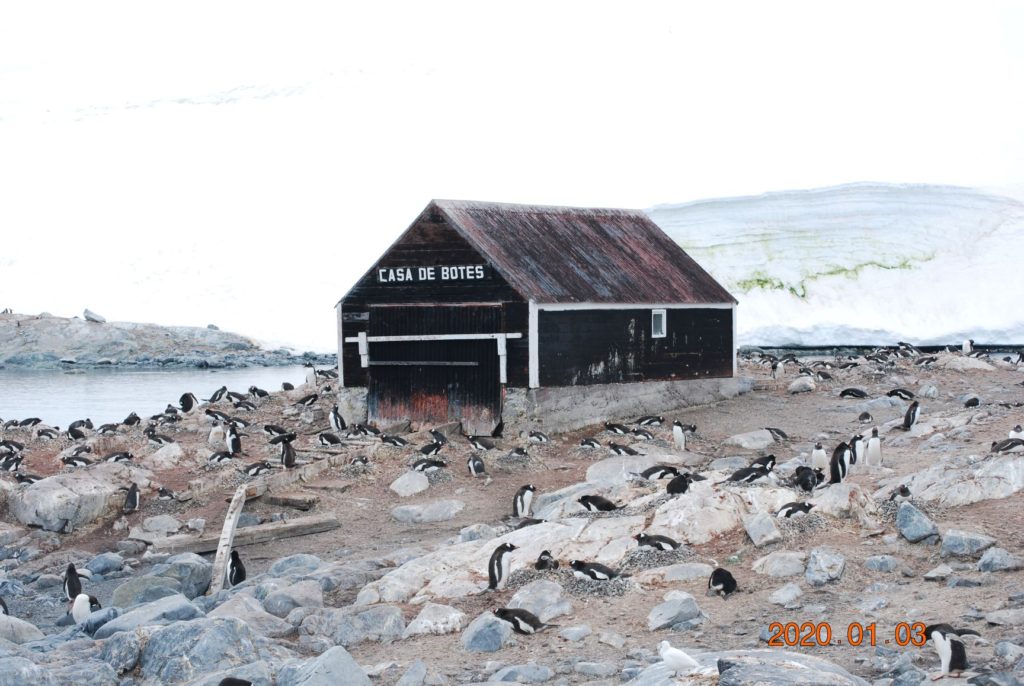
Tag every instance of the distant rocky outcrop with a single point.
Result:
(45, 341)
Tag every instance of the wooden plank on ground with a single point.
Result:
(250, 535)
(300, 501)
(226, 540)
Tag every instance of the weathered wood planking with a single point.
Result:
(250, 535)
(225, 540)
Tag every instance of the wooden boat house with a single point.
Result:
(476, 302)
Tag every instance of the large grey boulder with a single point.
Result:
(762, 529)
(804, 384)
(302, 563)
(189, 570)
(246, 608)
(544, 598)
(823, 566)
(18, 630)
(436, 619)
(486, 634)
(913, 524)
(530, 673)
(785, 595)
(434, 511)
(351, 625)
(964, 543)
(751, 440)
(105, 563)
(1010, 617)
(301, 594)
(681, 607)
(67, 501)
(779, 668)
(144, 589)
(260, 673)
(335, 667)
(86, 673)
(999, 560)
(186, 650)
(123, 650)
(169, 609)
(19, 671)
(781, 563)
(410, 483)
(415, 675)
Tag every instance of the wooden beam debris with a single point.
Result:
(250, 535)
(225, 540)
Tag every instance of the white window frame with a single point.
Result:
(664, 323)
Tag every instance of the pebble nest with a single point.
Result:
(887, 509)
(627, 511)
(510, 462)
(646, 557)
(439, 476)
(796, 527)
(570, 584)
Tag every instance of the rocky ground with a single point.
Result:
(397, 594)
(47, 342)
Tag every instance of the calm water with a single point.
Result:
(108, 395)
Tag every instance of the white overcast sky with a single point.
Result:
(243, 163)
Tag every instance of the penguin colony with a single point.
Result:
(825, 466)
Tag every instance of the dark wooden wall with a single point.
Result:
(581, 347)
(431, 242)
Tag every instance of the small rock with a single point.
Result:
(530, 673)
(436, 619)
(596, 669)
(1009, 653)
(477, 532)
(781, 563)
(999, 560)
(544, 598)
(671, 612)
(611, 638)
(18, 630)
(872, 603)
(881, 563)
(940, 573)
(804, 384)
(91, 316)
(963, 582)
(486, 634)
(161, 524)
(301, 563)
(752, 440)
(575, 633)
(410, 483)
(964, 543)
(823, 566)
(762, 529)
(334, 666)
(435, 511)
(929, 391)
(105, 563)
(1013, 617)
(302, 594)
(785, 595)
(913, 524)
(415, 675)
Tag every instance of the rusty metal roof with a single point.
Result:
(582, 255)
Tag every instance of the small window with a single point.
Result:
(657, 323)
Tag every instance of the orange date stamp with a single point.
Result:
(816, 634)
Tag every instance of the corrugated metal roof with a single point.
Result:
(583, 255)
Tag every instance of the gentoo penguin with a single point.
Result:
(538, 437)
(360, 460)
(47, 433)
(258, 468)
(659, 471)
(81, 424)
(590, 443)
(678, 435)
(777, 434)
(233, 681)
(593, 570)
(285, 386)
(522, 621)
(236, 570)
(900, 494)
(643, 434)
(164, 493)
(852, 393)
(480, 443)
(621, 449)
(72, 584)
(910, 418)
(216, 416)
(655, 541)
(132, 501)
(237, 423)
(676, 660)
(76, 461)
(83, 606)
(155, 439)
(218, 395)
(12, 463)
(438, 436)
(235, 397)
(597, 503)
(220, 457)
(107, 429)
(26, 478)
(475, 465)
(678, 485)
(839, 465)
(819, 460)
(857, 449)
(131, 420)
(952, 654)
(901, 393)
(767, 461)
(1016, 432)
(523, 500)
(31, 421)
(287, 455)
(775, 369)
(721, 582)
(245, 405)
(497, 569)
(651, 420)
(119, 457)
(337, 421)
(232, 441)
(257, 392)
(427, 466)
(3, 607)
(808, 479)
(865, 418)
(188, 402)
(822, 376)
(396, 441)
(529, 521)
(307, 400)
(545, 561)
(327, 438)
(274, 430)
(1008, 445)
(968, 346)
(873, 450)
(973, 401)
(75, 434)
(432, 448)
(794, 510)
(747, 475)
(614, 428)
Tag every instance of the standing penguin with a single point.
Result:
(910, 418)
(132, 501)
(337, 421)
(72, 584)
(497, 570)
(475, 465)
(857, 449)
(873, 451)
(232, 440)
(678, 435)
(952, 654)
(839, 465)
(523, 500)
(83, 606)
(287, 455)
(236, 570)
(188, 402)
(819, 460)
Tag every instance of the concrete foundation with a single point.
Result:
(567, 408)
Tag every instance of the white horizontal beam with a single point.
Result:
(434, 337)
(563, 307)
